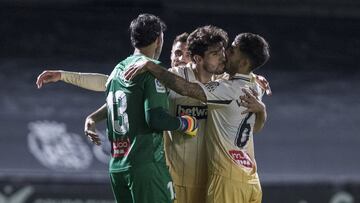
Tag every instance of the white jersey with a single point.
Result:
(230, 146)
(186, 156)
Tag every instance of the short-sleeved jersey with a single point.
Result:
(133, 142)
(230, 146)
(186, 156)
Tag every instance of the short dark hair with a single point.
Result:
(145, 29)
(204, 37)
(182, 38)
(255, 47)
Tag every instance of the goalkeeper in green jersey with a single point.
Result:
(136, 113)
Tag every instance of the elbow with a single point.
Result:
(154, 122)
(258, 129)
(153, 119)
(260, 121)
(259, 125)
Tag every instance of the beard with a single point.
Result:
(221, 68)
(227, 67)
(214, 69)
(219, 71)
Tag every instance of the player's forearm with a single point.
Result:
(176, 83)
(160, 119)
(90, 81)
(99, 115)
(260, 120)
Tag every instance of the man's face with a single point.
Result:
(159, 47)
(214, 59)
(179, 54)
(234, 58)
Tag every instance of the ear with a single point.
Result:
(158, 41)
(243, 62)
(198, 59)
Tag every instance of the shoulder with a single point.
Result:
(179, 70)
(151, 82)
(185, 72)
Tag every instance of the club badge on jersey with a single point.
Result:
(211, 86)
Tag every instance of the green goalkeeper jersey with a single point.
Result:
(133, 142)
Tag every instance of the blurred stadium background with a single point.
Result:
(307, 153)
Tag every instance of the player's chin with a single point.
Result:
(222, 67)
(220, 70)
(227, 66)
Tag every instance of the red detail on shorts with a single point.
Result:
(241, 158)
(120, 147)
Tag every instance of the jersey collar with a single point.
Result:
(249, 77)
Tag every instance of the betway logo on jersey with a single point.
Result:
(199, 112)
(120, 147)
(241, 158)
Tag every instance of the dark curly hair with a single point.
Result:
(255, 47)
(145, 29)
(181, 38)
(204, 37)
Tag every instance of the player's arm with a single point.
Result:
(170, 80)
(160, 119)
(252, 102)
(157, 115)
(90, 81)
(260, 120)
(90, 124)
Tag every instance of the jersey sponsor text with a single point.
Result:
(199, 112)
(241, 158)
(121, 147)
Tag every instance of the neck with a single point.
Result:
(202, 75)
(244, 71)
(146, 51)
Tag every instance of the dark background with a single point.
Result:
(308, 151)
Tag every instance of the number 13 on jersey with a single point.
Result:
(117, 106)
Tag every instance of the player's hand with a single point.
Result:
(136, 69)
(189, 125)
(251, 101)
(264, 84)
(48, 76)
(90, 131)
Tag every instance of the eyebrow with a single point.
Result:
(176, 50)
(216, 50)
